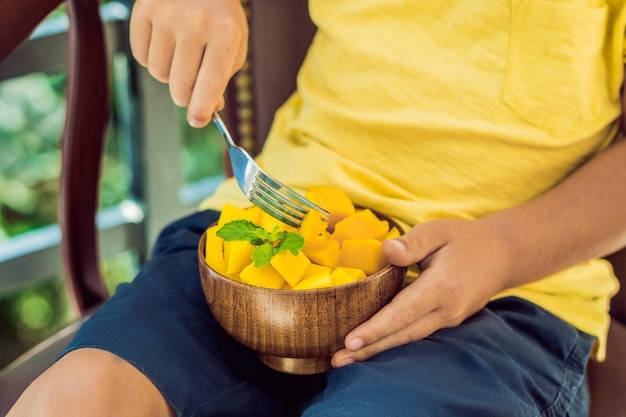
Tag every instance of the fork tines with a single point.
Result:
(280, 201)
(270, 195)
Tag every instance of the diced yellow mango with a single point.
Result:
(365, 254)
(313, 269)
(325, 235)
(214, 251)
(356, 273)
(238, 255)
(289, 266)
(213, 245)
(392, 234)
(286, 286)
(268, 222)
(319, 280)
(313, 226)
(334, 200)
(230, 213)
(323, 252)
(265, 276)
(361, 225)
(218, 263)
(339, 277)
(219, 266)
(255, 212)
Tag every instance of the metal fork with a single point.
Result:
(269, 194)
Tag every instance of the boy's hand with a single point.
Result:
(463, 264)
(195, 46)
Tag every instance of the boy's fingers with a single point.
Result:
(410, 306)
(160, 55)
(185, 66)
(412, 247)
(140, 30)
(213, 76)
(415, 331)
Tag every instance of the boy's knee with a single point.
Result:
(91, 382)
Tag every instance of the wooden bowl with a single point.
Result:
(296, 331)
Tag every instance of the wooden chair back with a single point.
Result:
(87, 115)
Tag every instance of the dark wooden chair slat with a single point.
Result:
(83, 141)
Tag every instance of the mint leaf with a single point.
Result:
(275, 235)
(261, 255)
(263, 235)
(292, 242)
(242, 230)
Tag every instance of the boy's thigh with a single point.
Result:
(510, 359)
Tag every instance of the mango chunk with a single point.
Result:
(265, 276)
(214, 251)
(268, 223)
(319, 280)
(214, 245)
(392, 234)
(365, 254)
(313, 226)
(289, 266)
(345, 275)
(313, 269)
(361, 225)
(334, 200)
(238, 255)
(355, 273)
(323, 252)
(286, 286)
(230, 213)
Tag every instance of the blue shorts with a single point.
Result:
(510, 359)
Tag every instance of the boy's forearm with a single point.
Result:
(584, 217)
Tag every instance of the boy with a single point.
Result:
(489, 129)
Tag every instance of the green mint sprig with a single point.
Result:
(268, 243)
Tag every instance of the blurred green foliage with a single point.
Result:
(31, 119)
(31, 116)
(202, 153)
(29, 316)
(32, 111)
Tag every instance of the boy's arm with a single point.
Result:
(464, 263)
(584, 217)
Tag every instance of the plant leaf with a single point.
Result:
(262, 254)
(240, 230)
(292, 242)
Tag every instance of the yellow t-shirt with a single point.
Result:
(456, 108)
